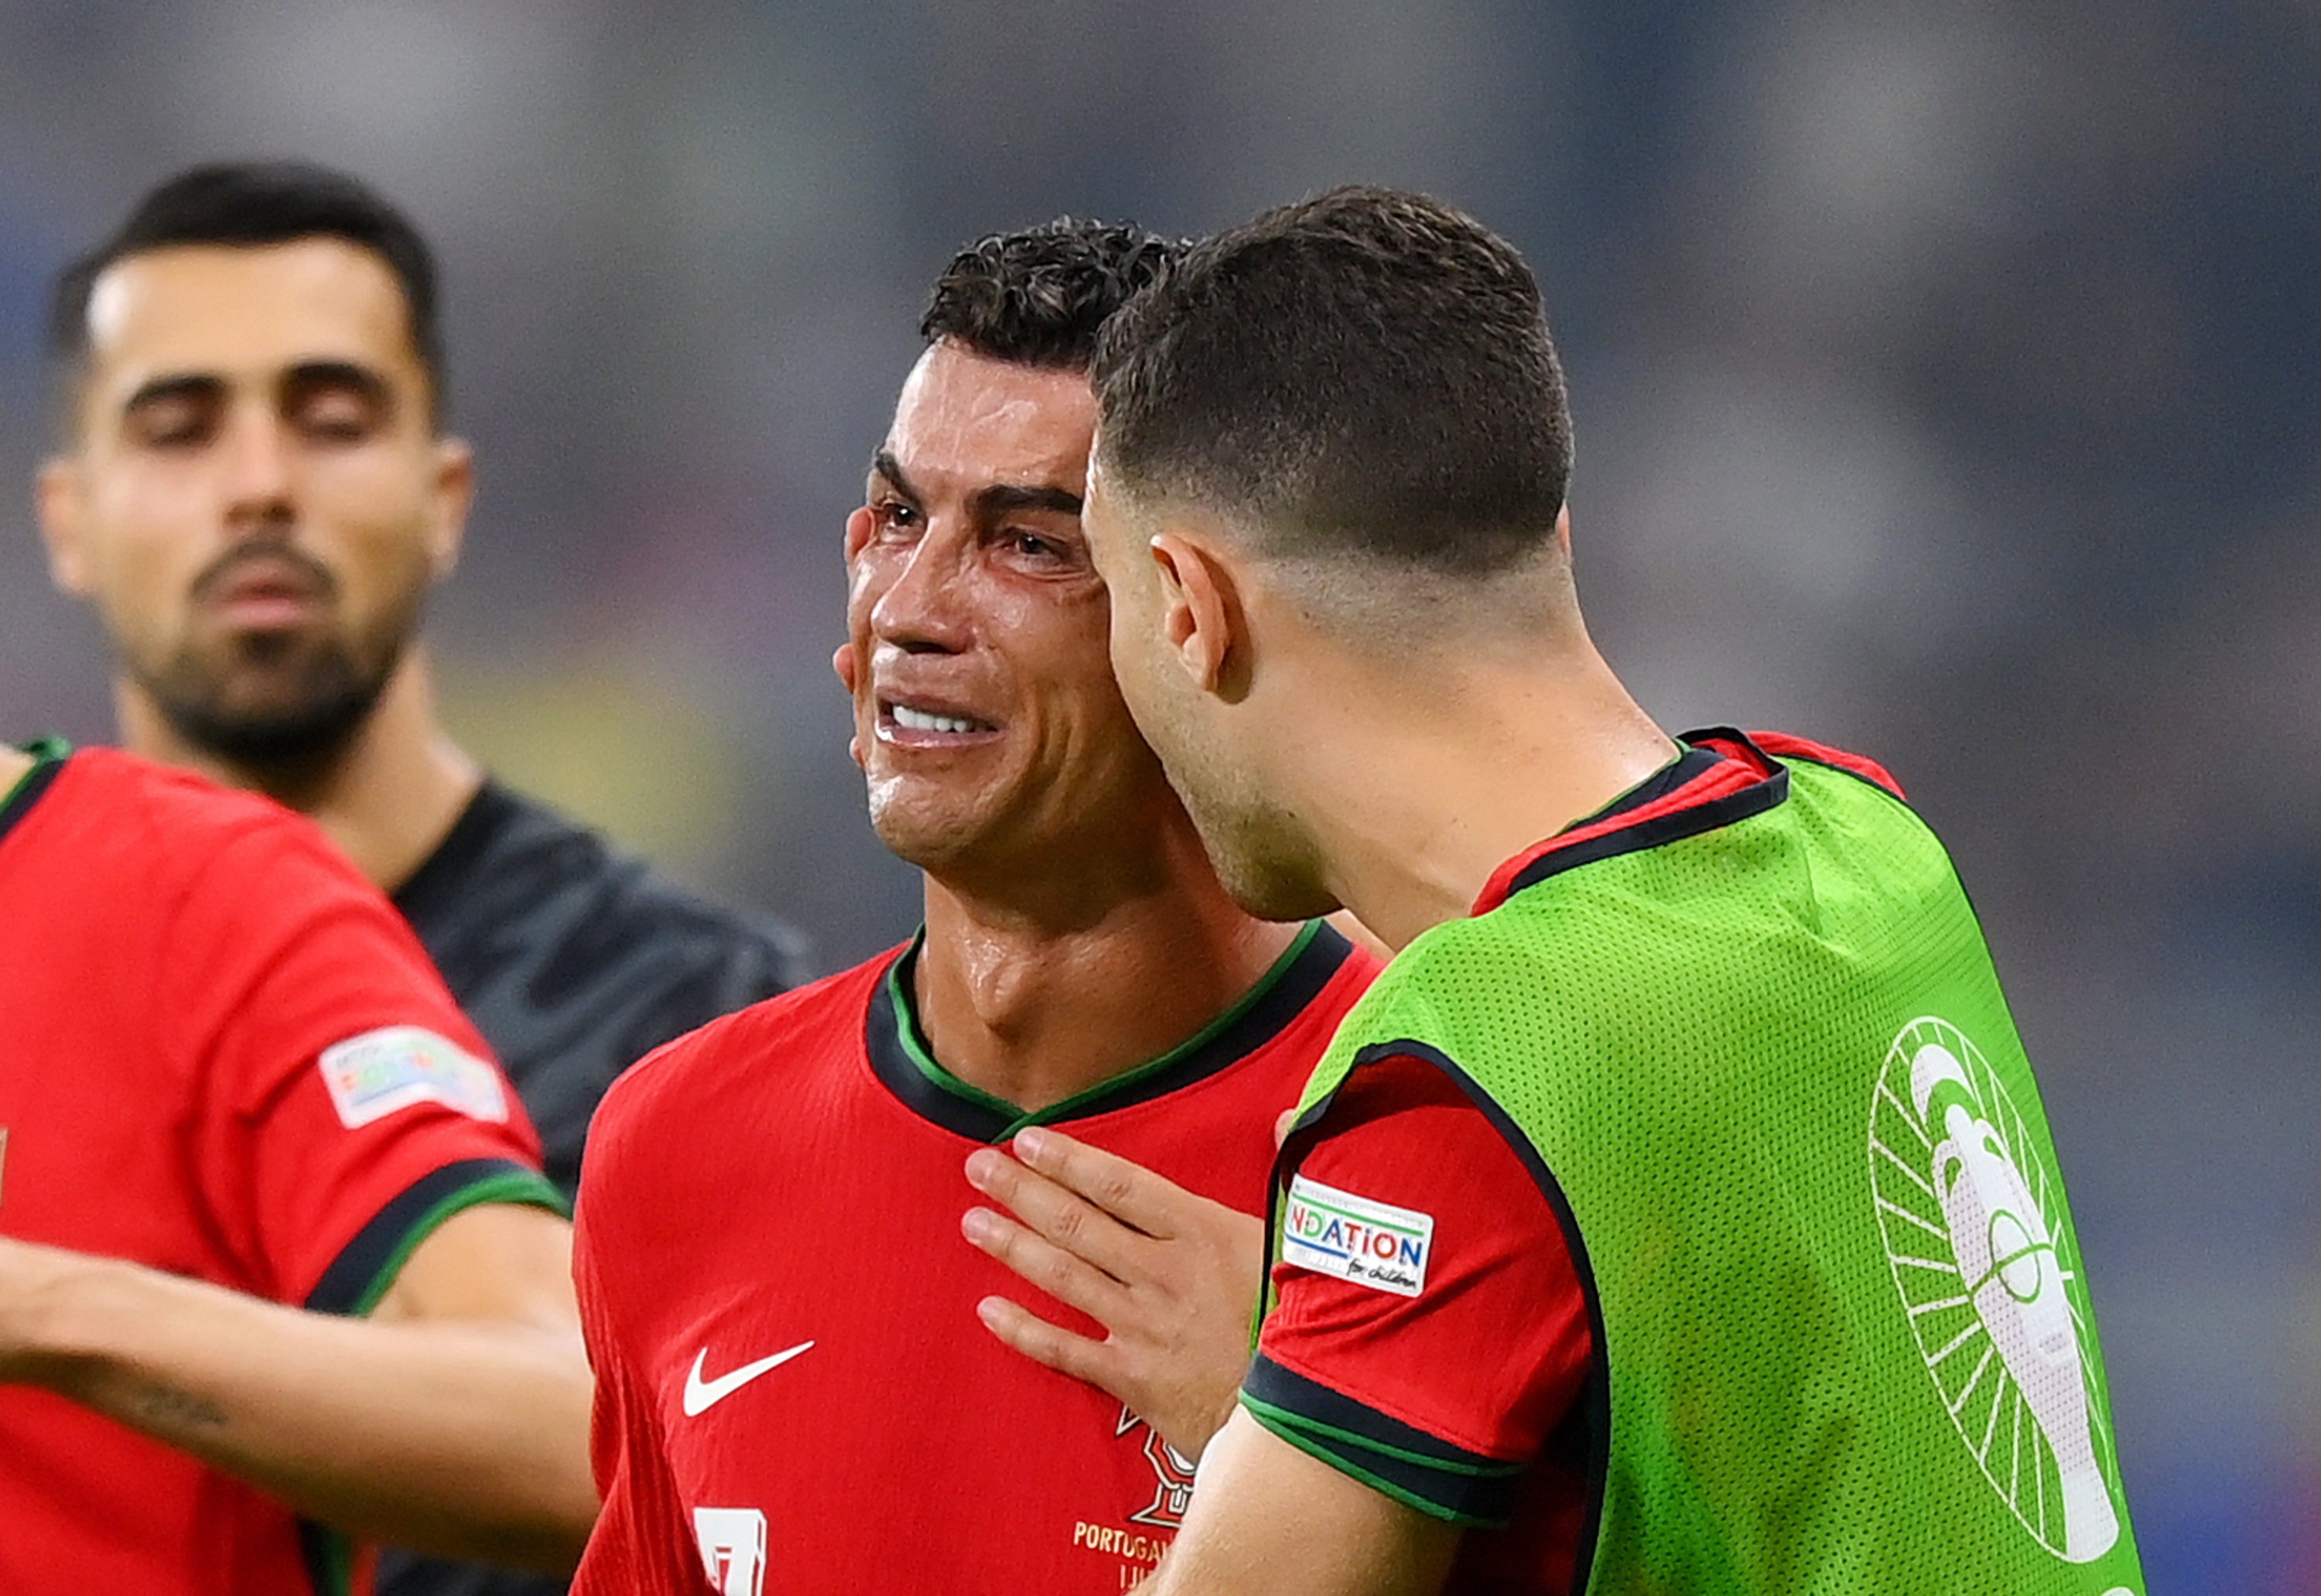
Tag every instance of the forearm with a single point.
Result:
(1268, 1520)
(473, 1435)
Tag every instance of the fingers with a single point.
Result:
(1129, 1192)
(1043, 1343)
(1064, 1275)
(1058, 1216)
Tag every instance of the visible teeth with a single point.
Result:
(919, 720)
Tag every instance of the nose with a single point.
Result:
(257, 473)
(923, 609)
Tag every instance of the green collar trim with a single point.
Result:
(902, 1056)
(49, 756)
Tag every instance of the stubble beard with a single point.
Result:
(1259, 878)
(277, 705)
(1256, 847)
(282, 706)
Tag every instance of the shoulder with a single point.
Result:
(172, 831)
(753, 1053)
(714, 1117)
(1852, 812)
(1456, 963)
(124, 785)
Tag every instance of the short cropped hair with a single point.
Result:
(251, 204)
(1039, 296)
(1366, 373)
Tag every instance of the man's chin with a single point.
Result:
(1268, 897)
(925, 842)
(270, 725)
(292, 745)
(1260, 877)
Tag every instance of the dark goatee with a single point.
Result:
(292, 739)
(282, 707)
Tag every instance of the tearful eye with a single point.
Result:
(1037, 548)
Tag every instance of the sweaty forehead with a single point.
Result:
(966, 422)
(238, 312)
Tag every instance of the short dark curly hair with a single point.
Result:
(253, 203)
(1039, 296)
(1366, 373)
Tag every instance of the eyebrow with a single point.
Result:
(304, 377)
(988, 503)
(885, 464)
(187, 385)
(345, 374)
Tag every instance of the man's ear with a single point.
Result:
(1202, 618)
(454, 491)
(859, 524)
(63, 505)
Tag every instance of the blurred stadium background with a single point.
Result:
(1946, 386)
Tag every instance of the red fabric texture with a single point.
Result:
(756, 1186)
(173, 958)
(1492, 1353)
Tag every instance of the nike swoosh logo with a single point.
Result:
(701, 1395)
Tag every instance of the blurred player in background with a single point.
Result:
(257, 494)
(275, 1247)
(1679, 1198)
(792, 1390)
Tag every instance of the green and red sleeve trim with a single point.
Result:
(1416, 1469)
(366, 1267)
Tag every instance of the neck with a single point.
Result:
(1491, 755)
(14, 765)
(1038, 1001)
(387, 800)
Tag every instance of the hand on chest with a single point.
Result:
(845, 1403)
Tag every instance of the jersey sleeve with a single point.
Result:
(642, 1543)
(347, 1106)
(1429, 1330)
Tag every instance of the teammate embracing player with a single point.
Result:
(792, 1390)
(1679, 1201)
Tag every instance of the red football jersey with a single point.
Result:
(1464, 1400)
(229, 1060)
(794, 1392)
(1474, 1393)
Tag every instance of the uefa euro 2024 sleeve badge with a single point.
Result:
(1983, 1253)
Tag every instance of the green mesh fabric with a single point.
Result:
(1770, 1070)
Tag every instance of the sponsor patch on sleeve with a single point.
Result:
(379, 1073)
(1371, 1243)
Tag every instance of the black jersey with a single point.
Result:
(575, 960)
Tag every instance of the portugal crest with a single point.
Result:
(1173, 1471)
